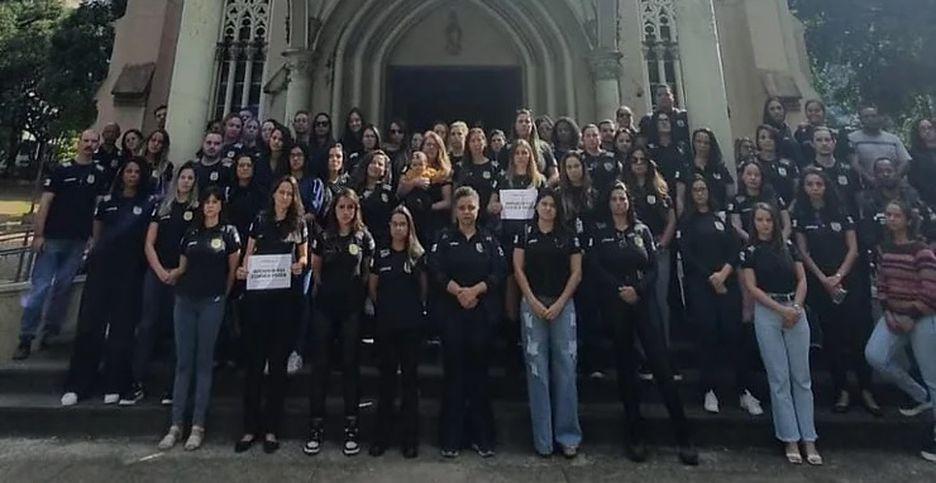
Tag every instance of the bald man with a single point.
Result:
(62, 232)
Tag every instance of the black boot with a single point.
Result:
(23, 351)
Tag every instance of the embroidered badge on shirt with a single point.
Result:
(782, 171)
(217, 243)
(137, 210)
(354, 249)
(486, 175)
(90, 178)
(836, 226)
(479, 247)
(651, 199)
(213, 176)
(187, 216)
(843, 180)
(719, 226)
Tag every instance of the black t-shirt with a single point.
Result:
(604, 171)
(171, 227)
(622, 258)
(124, 222)
(846, 181)
(781, 174)
(545, 160)
(804, 136)
(652, 209)
(922, 174)
(707, 243)
(825, 235)
(467, 262)
(220, 174)
(579, 207)
(110, 162)
(206, 251)
(774, 269)
(482, 177)
(161, 179)
(272, 238)
(376, 206)
(743, 206)
(718, 178)
(76, 188)
(243, 205)
(546, 259)
(399, 304)
(345, 260)
(670, 159)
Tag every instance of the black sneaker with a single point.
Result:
(636, 451)
(314, 444)
(23, 351)
(483, 451)
(929, 450)
(166, 399)
(644, 373)
(448, 453)
(688, 455)
(351, 446)
(133, 396)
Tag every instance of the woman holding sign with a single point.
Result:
(512, 204)
(341, 256)
(623, 261)
(207, 265)
(275, 257)
(468, 264)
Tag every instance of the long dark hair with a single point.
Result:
(832, 205)
(631, 213)
(305, 160)
(715, 158)
(329, 139)
(914, 221)
(774, 134)
(143, 186)
(776, 237)
(573, 206)
(123, 142)
(557, 200)
(766, 190)
(211, 191)
(331, 218)
(351, 140)
(688, 201)
(294, 212)
(573, 126)
(654, 179)
(765, 113)
(359, 176)
(917, 144)
(282, 166)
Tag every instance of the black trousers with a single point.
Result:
(466, 400)
(627, 321)
(341, 320)
(268, 333)
(109, 305)
(398, 349)
(591, 330)
(846, 328)
(717, 321)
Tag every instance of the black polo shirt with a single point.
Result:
(399, 303)
(76, 188)
(376, 206)
(171, 227)
(243, 205)
(467, 261)
(846, 181)
(781, 174)
(482, 177)
(707, 243)
(124, 222)
(718, 178)
(743, 206)
(111, 163)
(825, 235)
(669, 159)
(345, 259)
(206, 251)
(622, 258)
(604, 171)
(546, 259)
(272, 237)
(652, 209)
(774, 268)
(220, 174)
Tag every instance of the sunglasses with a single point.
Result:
(322, 123)
(396, 131)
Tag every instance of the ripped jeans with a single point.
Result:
(550, 353)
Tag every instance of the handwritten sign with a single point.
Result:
(518, 204)
(268, 272)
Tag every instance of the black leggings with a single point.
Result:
(398, 349)
(268, 335)
(341, 319)
(627, 320)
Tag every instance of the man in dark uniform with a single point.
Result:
(666, 104)
(846, 180)
(602, 167)
(210, 168)
(62, 229)
(107, 155)
(608, 129)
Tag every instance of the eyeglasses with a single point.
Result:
(396, 131)
(322, 123)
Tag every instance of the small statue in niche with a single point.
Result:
(453, 35)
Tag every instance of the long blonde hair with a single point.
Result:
(192, 202)
(442, 162)
(536, 178)
(414, 249)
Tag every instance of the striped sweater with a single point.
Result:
(907, 273)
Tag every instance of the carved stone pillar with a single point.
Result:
(606, 69)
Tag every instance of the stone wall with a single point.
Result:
(11, 311)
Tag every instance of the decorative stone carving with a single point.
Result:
(606, 64)
(453, 34)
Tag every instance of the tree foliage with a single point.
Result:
(878, 51)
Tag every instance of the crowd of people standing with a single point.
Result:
(556, 239)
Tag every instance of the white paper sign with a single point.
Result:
(268, 272)
(518, 204)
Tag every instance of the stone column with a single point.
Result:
(635, 81)
(703, 73)
(193, 75)
(299, 84)
(606, 68)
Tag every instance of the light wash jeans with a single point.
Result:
(883, 351)
(54, 271)
(550, 350)
(197, 321)
(785, 353)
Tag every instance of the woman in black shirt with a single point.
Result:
(477, 170)
(341, 256)
(548, 267)
(169, 222)
(706, 160)
(245, 197)
(709, 249)
(275, 160)
(826, 239)
(622, 257)
(754, 190)
(372, 181)
(774, 115)
(398, 287)
(468, 265)
(110, 301)
(776, 279)
(269, 327)
(780, 171)
(370, 142)
(429, 197)
(337, 179)
(351, 137)
(207, 265)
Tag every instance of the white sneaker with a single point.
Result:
(711, 402)
(111, 398)
(266, 369)
(750, 403)
(915, 410)
(69, 399)
(294, 363)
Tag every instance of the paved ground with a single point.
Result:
(28, 460)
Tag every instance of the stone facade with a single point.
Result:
(569, 57)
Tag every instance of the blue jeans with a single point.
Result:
(54, 270)
(883, 349)
(197, 321)
(155, 321)
(550, 351)
(785, 353)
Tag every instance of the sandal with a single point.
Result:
(170, 439)
(812, 455)
(195, 439)
(793, 455)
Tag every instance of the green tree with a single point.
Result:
(878, 51)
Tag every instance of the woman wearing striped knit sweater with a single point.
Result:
(907, 291)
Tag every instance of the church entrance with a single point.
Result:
(481, 96)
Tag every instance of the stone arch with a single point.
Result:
(359, 38)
